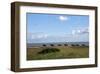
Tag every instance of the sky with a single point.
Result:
(45, 28)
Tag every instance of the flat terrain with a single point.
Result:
(65, 52)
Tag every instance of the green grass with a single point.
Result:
(64, 52)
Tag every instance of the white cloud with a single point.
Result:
(63, 18)
(38, 36)
(80, 31)
(73, 32)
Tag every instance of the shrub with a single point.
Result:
(77, 45)
(48, 50)
(65, 44)
(44, 45)
(83, 45)
(51, 44)
(59, 44)
(72, 45)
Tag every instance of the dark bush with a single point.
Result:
(48, 50)
(65, 44)
(72, 45)
(59, 44)
(51, 44)
(83, 45)
(44, 45)
(77, 45)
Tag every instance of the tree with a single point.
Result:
(77, 44)
(72, 45)
(59, 44)
(44, 45)
(51, 44)
(65, 44)
(83, 44)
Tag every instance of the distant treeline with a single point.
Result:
(57, 44)
(64, 45)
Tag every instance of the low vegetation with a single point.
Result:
(57, 52)
(48, 50)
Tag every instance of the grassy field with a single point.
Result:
(65, 52)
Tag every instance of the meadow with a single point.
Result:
(57, 52)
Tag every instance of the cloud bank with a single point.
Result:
(76, 36)
(80, 31)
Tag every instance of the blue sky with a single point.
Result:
(44, 28)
